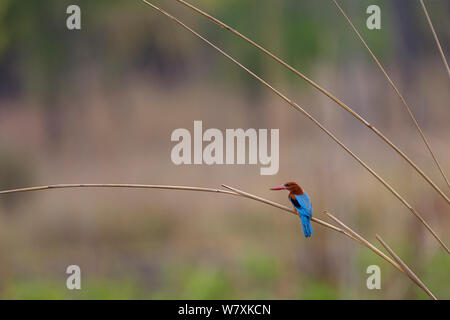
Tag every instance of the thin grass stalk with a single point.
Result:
(346, 230)
(109, 185)
(406, 269)
(398, 263)
(322, 90)
(168, 187)
(287, 209)
(436, 39)
(309, 116)
(364, 242)
(231, 191)
(397, 91)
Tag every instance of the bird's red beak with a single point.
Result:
(282, 187)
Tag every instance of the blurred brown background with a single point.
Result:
(99, 106)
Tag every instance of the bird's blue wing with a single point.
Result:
(303, 204)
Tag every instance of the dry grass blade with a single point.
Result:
(290, 210)
(406, 269)
(438, 43)
(364, 242)
(122, 186)
(309, 116)
(397, 91)
(233, 192)
(236, 192)
(322, 90)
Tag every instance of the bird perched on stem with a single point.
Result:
(301, 203)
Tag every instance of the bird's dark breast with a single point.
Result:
(294, 201)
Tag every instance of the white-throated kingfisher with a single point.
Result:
(301, 203)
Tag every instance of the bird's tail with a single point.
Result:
(306, 224)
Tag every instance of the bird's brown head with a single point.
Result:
(291, 186)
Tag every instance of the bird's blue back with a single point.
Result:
(302, 204)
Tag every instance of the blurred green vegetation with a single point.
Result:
(258, 278)
(38, 54)
(435, 275)
(121, 36)
(96, 288)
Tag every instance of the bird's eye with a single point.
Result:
(287, 185)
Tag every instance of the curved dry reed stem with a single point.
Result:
(397, 91)
(231, 191)
(365, 242)
(398, 263)
(109, 185)
(290, 210)
(406, 269)
(436, 39)
(322, 90)
(309, 116)
(234, 192)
